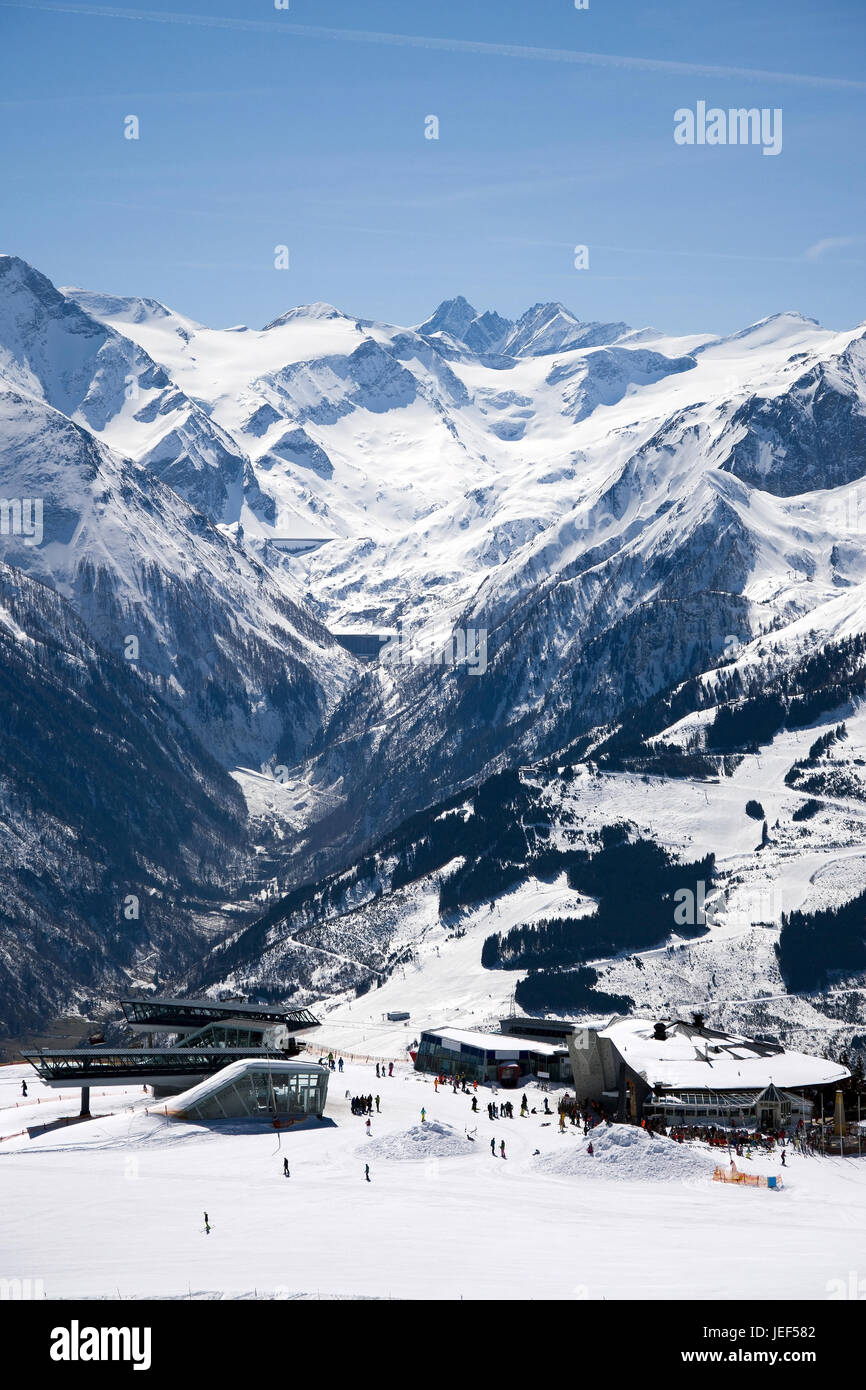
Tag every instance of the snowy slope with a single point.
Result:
(430, 1222)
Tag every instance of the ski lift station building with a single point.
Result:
(490, 1056)
(256, 1089)
(687, 1073)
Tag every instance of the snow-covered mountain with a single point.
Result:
(121, 835)
(622, 515)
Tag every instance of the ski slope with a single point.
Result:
(115, 1207)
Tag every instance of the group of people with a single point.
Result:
(457, 1083)
(363, 1105)
(580, 1112)
(503, 1111)
(742, 1141)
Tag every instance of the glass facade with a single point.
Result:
(261, 1092)
(233, 1035)
(172, 1014)
(439, 1054)
(767, 1107)
(436, 1056)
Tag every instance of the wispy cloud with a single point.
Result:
(281, 29)
(831, 243)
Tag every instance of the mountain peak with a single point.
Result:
(317, 310)
(16, 273)
(452, 316)
(551, 327)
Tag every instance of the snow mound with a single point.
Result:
(629, 1154)
(430, 1140)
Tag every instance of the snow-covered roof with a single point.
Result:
(710, 1060)
(503, 1044)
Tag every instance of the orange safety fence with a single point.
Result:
(746, 1179)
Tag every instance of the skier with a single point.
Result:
(367, 1171)
(502, 1147)
(423, 1115)
(206, 1225)
(474, 1104)
(493, 1147)
(368, 1128)
(390, 1068)
(23, 1088)
(377, 1071)
(784, 1164)
(377, 1105)
(285, 1167)
(562, 1122)
(589, 1149)
(340, 1064)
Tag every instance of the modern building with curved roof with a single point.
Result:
(256, 1089)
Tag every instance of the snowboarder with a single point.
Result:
(23, 1088)
(367, 1171)
(285, 1167)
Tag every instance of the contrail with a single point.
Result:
(494, 50)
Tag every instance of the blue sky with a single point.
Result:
(256, 132)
